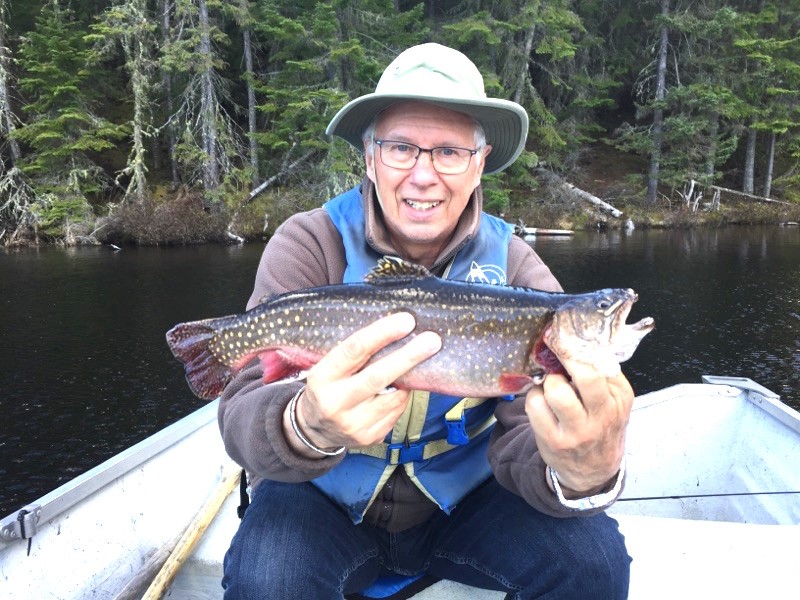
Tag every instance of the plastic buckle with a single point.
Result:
(457, 432)
(412, 452)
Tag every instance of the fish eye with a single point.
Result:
(604, 303)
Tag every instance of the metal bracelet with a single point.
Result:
(601, 500)
(306, 442)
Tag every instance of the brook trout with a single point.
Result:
(496, 340)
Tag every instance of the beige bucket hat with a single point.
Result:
(439, 75)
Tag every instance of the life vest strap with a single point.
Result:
(406, 452)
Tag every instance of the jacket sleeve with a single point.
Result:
(513, 454)
(305, 251)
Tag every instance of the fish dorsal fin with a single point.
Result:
(391, 269)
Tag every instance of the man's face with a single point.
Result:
(420, 206)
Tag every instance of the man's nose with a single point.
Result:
(424, 165)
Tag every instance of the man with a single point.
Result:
(343, 491)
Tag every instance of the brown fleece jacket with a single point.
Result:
(307, 251)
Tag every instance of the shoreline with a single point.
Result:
(190, 225)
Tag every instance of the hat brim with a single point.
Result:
(505, 123)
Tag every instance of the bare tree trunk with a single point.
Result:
(523, 71)
(770, 164)
(6, 114)
(711, 159)
(208, 112)
(658, 113)
(251, 105)
(749, 162)
(166, 82)
(136, 49)
(139, 81)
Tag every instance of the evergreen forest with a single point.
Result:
(178, 121)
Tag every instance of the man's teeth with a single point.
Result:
(422, 205)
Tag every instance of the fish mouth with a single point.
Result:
(625, 336)
(420, 205)
(643, 325)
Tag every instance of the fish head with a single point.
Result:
(591, 328)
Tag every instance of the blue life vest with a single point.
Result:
(440, 440)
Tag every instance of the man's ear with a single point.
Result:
(369, 161)
(479, 171)
(486, 151)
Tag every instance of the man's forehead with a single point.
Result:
(414, 115)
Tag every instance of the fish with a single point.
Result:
(497, 340)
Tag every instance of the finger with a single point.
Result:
(352, 353)
(600, 393)
(563, 400)
(597, 383)
(388, 409)
(539, 413)
(384, 372)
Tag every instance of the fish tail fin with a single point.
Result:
(206, 375)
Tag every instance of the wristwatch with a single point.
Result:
(601, 500)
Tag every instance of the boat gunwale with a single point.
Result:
(60, 500)
(64, 497)
(763, 398)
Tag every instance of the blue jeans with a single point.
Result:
(295, 543)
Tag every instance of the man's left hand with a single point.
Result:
(580, 426)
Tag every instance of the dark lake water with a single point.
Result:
(85, 371)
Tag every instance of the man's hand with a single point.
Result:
(342, 404)
(580, 426)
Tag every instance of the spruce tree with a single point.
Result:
(63, 131)
(319, 56)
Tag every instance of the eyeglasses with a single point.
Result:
(445, 160)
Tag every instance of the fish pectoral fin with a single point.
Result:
(515, 383)
(278, 364)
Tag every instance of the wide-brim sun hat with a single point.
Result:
(445, 77)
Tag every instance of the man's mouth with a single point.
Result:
(417, 205)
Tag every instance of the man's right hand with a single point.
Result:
(343, 403)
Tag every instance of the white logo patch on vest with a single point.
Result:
(486, 274)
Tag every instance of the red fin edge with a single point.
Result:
(205, 374)
(279, 364)
(512, 383)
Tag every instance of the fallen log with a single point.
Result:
(230, 233)
(533, 231)
(745, 194)
(592, 199)
(284, 172)
(579, 193)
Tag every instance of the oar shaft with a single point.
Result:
(192, 535)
